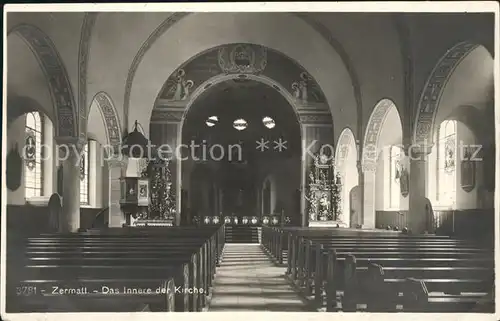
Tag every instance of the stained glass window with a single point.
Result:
(446, 163)
(32, 154)
(395, 175)
(84, 175)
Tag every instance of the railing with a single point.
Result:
(267, 220)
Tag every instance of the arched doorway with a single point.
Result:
(234, 130)
(273, 80)
(346, 157)
(385, 168)
(457, 125)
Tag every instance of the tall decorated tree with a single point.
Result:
(311, 195)
(162, 202)
(336, 200)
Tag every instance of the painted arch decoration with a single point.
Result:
(83, 59)
(110, 117)
(372, 133)
(57, 77)
(176, 17)
(433, 90)
(244, 59)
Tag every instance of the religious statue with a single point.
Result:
(300, 87)
(324, 206)
(324, 188)
(182, 86)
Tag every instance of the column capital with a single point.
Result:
(418, 151)
(77, 142)
(117, 163)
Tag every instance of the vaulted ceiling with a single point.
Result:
(356, 59)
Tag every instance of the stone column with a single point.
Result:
(369, 176)
(116, 167)
(417, 189)
(70, 149)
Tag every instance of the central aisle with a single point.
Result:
(247, 280)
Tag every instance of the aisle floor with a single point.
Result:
(248, 280)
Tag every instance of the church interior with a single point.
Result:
(316, 161)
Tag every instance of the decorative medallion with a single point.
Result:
(468, 170)
(30, 150)
(242, 58)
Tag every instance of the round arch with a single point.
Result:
(346, 157)
(222, 78)
(19, 105)
(222, 28)
(373, 132)
(66, 114)
(435, 88)
(110, 119)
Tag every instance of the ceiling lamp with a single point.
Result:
(212, 121)
(135, 145)
(240, 124)
(268, 122)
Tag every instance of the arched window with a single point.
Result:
(395, 175)
(446, 163)
(84, 175)
(33, 176)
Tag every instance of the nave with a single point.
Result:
(182, 269)
(278, 154)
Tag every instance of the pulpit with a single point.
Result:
(135, 197)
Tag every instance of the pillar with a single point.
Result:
(417, 220)
(116, 167)
(369, 177)
(94, 169)
(49, 163)
(70, 149)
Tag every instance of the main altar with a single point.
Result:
(324, 194)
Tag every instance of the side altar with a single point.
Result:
(323, 194)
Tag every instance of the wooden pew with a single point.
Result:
(392, 289)
(402, 255)
(135, 260)
(93, 263)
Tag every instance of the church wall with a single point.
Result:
(381, 41)
(465, 200)
(285, 182)
(66, 39)
(433, 34)
(15, 135)
(380, 180)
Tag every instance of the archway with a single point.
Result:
(238, 124)
(455, 128)
(217, 29)
(29, 94)
(109, 126)
(346, 157)
(243, 66)
(385, 167)
(104, 127)
(68, 121)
